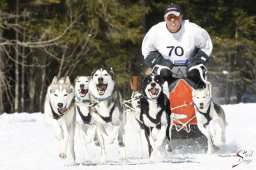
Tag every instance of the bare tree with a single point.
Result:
(34, 52)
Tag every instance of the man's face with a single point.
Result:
(173, 22)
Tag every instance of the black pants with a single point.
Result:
(192, 75)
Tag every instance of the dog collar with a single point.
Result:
(102, 99)
(78, 99)
(96, 101)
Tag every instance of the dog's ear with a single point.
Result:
(193, 92)
(76, 79)
(93, 71)
(55, 80)
(208, 88)
(112, 73)
(89, 77)
(67, 80)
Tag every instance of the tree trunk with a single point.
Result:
(1, 78)
(16, 100)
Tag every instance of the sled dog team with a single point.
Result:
(95, 107)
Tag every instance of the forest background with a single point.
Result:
(43, 38)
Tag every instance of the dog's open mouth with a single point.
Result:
(153, 92)
(83, 92)
(62, 111)
(101, 88)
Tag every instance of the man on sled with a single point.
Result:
(178, 50)
(177, 42)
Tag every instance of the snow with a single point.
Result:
(26, 144)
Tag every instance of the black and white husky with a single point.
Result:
(84, 122)
(207, 113)
(108, 112)
(59, 114)
(155, 114)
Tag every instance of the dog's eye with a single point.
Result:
(95, 74)
(65, 94)
(105, 74)
(56, 95)
(86, 81)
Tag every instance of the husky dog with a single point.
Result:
(135, 117)
(85, 124)
(155, 114)
(108, 110)
(207, 113)
(59, 113)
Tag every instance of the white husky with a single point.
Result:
(207, 113)
(85, 124)
(59, 113)
(108, 111)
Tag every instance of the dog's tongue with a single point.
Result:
(84, 92)
(154, 91)
(62, 110)
(101, 87)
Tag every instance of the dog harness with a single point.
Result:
(109, 118)
(156, 121)
(206, 115)
(86, 119)
(78, 99)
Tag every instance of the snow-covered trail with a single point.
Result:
(26, 143)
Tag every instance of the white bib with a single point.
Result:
(175, 47)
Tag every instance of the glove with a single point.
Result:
(167, 63)
(199, 57)
(154, 58)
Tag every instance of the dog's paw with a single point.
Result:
(103, 162)
(121, 144)
(97, 143)
(209, 152)
(71, 163)
(168, 148)
(87, 162)
(62, 155)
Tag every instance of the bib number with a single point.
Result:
(178, 51)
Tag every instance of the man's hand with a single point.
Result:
(199, 57)
(155, 58)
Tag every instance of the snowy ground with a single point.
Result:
(26, 144)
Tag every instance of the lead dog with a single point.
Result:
(155, 114)
(108, 110)
(85, 124)
(59, 114)
(207, 113)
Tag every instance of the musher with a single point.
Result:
(177, 42)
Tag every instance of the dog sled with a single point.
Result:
(181, 104)
(183, 112)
